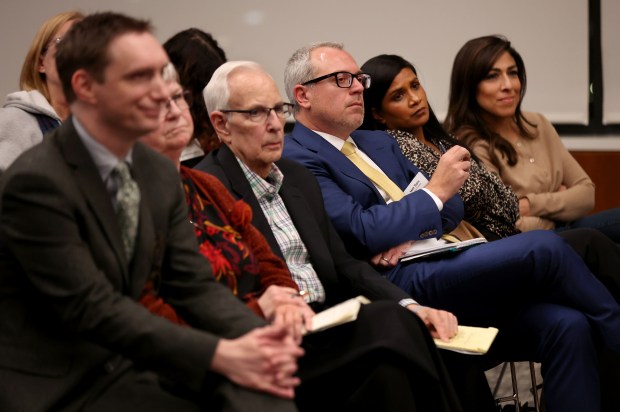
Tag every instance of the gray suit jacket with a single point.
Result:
(68, 310)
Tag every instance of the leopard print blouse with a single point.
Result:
(490, 205)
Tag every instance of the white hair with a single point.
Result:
(216, 93)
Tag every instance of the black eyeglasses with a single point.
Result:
(343, 79)
(260, 114)
(181, 99)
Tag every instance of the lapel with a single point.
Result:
(145, 241)
(307, 224)
(387, 155)
(241, 189)
(332, 156)
(96, 196)
(306, 220)
(296, 204)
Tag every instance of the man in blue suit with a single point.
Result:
(549, 308)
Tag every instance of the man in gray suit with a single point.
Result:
(88, 218)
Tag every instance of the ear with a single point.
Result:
(302, 95)
(83, 85)
(377, 116)
(41, 66)
(220, 124)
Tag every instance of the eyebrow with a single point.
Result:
(139, 71)
(402, 89)
(396, 91)
(497, 69)
(265, 106)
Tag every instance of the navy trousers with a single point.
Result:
(540, 294)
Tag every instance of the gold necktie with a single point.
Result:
(373, 174)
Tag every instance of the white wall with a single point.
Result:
(551, 35)
(610, 14)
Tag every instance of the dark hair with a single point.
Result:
(85, 46)
(196, 55)
(464, 119)
(383, 69)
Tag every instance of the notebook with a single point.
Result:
(470, 340)
(338, 314)
(429, 247)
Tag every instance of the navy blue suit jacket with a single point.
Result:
(362, 218)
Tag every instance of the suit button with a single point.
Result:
(433, 232)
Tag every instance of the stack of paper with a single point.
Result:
(470, 340)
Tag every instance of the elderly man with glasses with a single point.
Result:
(385, 359)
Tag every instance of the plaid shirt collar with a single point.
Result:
(267, 187)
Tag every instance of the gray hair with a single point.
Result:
(216, 93)
(169, 74)
(299, 68)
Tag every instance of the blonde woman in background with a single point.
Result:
(40, 105)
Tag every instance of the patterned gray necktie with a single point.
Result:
(127, 207)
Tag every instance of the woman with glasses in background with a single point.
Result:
(238, 254)
(195, 55)
(40, 106)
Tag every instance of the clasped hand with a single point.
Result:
(263, 359)
(284, 306)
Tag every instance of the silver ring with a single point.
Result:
(385, 259)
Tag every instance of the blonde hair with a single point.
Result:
(31, 78)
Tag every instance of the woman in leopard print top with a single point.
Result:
(397, 102)
(489, 204)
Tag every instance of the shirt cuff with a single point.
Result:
(406, 302)
(438, 202)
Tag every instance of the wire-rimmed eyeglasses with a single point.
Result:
(344, 79)
(182, 100)
(260, 114)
